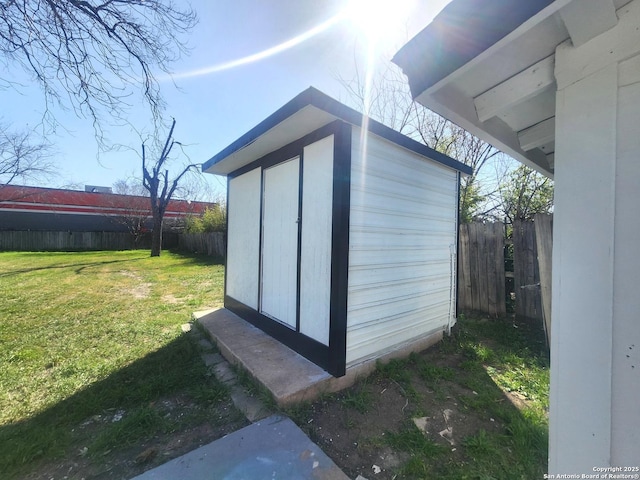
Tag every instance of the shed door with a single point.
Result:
(280, 214)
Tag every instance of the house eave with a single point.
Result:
(457, 35)
(497, 79)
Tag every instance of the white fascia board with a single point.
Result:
(516, 90)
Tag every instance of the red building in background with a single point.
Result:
(52, 209)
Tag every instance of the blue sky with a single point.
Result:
(213, 109)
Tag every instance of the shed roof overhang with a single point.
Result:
(489, 66)
(306, 113)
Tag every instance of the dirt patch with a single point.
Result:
(141, 290)
(356, 441)
(170, 299)
(447, 396)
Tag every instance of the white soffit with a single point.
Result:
(506, 94)
(506, 89)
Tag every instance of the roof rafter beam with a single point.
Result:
(586, 19)
(515, 90)
(538, 135)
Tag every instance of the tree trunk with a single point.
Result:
(156, 236)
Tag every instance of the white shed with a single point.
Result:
(342, 233)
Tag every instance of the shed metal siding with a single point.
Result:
(243, 252)
(402, 238)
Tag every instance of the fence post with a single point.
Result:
(464, 272)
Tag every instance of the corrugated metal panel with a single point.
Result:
(243, 251)
(402, 229)
(315, 261)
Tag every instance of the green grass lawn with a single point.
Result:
(86, 338)
(96, 377)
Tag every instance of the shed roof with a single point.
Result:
(307, 112)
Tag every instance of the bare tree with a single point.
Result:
(135, 210)
(93, 55)
(196, 188)
(161, 189)
(23, 157)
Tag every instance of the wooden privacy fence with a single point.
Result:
(30, 240)
(481, 269)
(204, 243)
(481, 278)
(213, 243)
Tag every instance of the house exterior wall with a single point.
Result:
(595, 351)
(403, 235)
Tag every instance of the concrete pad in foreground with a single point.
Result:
(274, 448)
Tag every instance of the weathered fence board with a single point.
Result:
(481, 269)
(213, 243)
(526, 272)
(544, 244)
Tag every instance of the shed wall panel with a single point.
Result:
(401, 250)
(315, 261)
(243, 251)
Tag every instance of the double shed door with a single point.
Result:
(297, 210)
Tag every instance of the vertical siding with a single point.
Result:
(402, 238)
(280, 241)
(243, 251)
(315, 257)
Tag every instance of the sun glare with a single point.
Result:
(378, 20)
